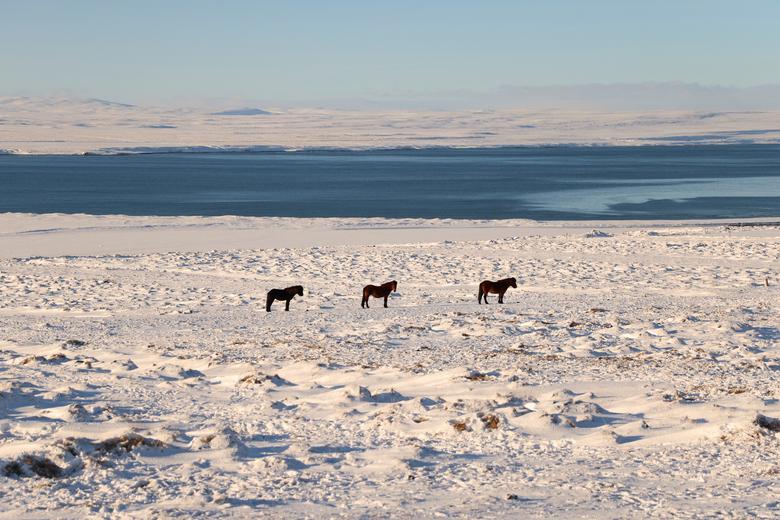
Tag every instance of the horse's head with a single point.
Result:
(513, 282)
(395, 285)
(299, 290)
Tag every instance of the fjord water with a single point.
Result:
(545, 183)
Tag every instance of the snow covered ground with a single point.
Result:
(67, 126)
(633, 373)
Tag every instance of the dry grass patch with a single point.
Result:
(460, 426)
(491, 421)
(31, 465)
(128, 442)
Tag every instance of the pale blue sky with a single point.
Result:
(288, 51)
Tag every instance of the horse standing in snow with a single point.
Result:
(382, 291)
(284, 295)
(499, 287)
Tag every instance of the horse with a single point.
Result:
(283, 294)
(383, 291)
(499, 287)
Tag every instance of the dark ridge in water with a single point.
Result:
(544, 183)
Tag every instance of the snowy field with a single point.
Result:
(634, 372)
(67, 126)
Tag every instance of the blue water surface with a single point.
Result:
(545, 183)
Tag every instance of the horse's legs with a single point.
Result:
(268, 301)
(501, 297)
(287, 305)
(364, 302)
(479, 297)
(386, 300)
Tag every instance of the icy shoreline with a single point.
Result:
(53, 234)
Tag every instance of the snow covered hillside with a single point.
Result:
(68, 126)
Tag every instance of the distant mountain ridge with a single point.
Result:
(249, 111)
(58, 101)
(601, 97)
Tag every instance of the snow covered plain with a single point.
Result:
(68, 126)
(633, 373)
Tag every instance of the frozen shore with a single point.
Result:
(634, 372)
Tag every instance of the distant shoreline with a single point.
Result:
(274, 149)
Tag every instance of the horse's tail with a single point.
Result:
(365, 298)
(479, 294)
(268, 301)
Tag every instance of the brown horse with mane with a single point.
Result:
(499, 287)
(284, 295)
(383, 291)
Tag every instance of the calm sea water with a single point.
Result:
(548, 183)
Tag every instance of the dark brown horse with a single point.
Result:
(383, 291)
(499, 288)
(284, 295)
